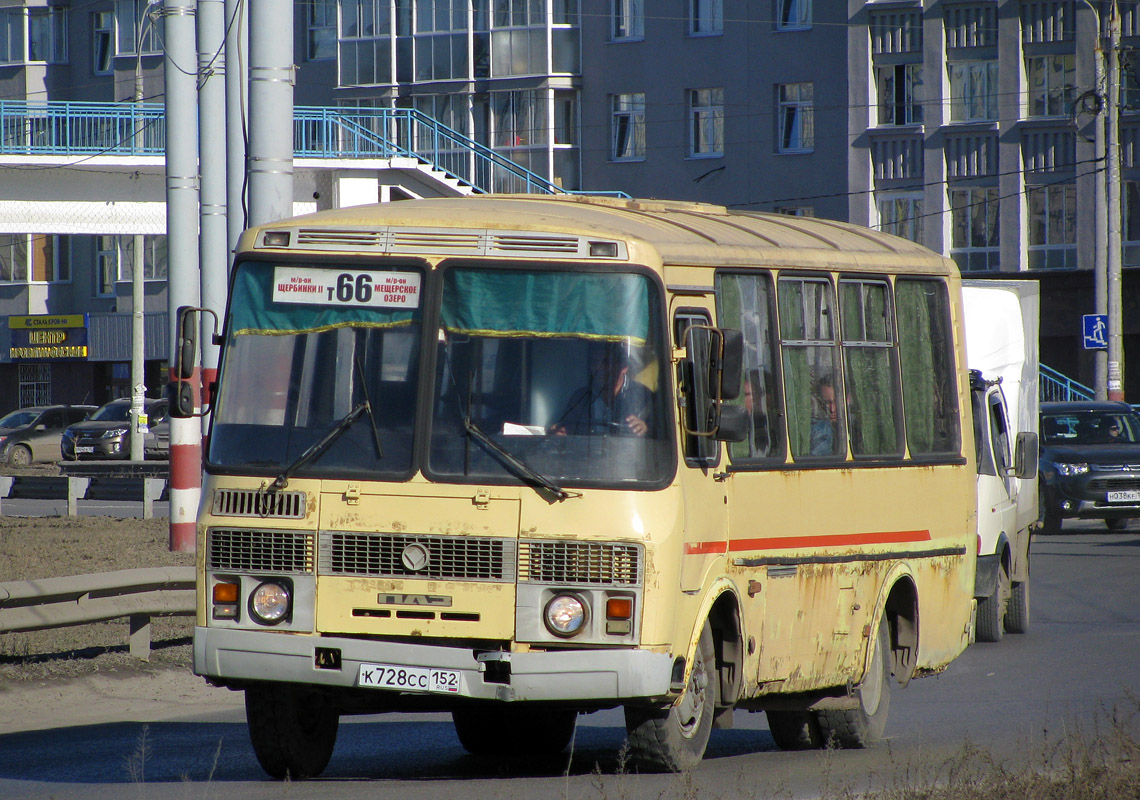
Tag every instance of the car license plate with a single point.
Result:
(409, 679)
(84, 449)
(1130, 496)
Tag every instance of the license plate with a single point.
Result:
(409, 679)
(84, 449)
(1130, 496)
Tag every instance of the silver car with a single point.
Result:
(32, 434)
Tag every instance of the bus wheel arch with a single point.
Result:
(900, 614)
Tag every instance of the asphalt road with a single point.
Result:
(1080, 660)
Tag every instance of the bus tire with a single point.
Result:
(852, 728)
(1017, 610)
(674, 739)
(292, 730)
(508, 730)
(992, 609)
(794, 730)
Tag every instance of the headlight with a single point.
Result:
(269, 603)
(114, 432)
(565, 615)
(1072, 469)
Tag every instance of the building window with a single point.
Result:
(628, 20)
(706, 17)
(901, 215)
(47, 35)
(12, 36)
(1052, 226)
(106, 265)
(102, 42)
(795, 211)
(50, 258)
(900, 94)
(154, 257)
(1129, 80)
(973, 90)
(793, 15)
(627, 133)
(35, 385)
(796, 118)
(974, 229)
(706, 122)
(320, 30)
(1130, 199)
(518, 39)
(13, 257)
(365, 43)
(138, 23)
(1052, 85)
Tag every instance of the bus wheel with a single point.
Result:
(1017, 611)
(292, 729)
(991, 610)
(508, 730)
(794, 730)
(674, 739)
(863, 725)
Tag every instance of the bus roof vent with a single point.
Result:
(539, 244)
(411, 240)
(331, 239)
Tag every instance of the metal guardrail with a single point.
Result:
(137, 594)
(76, 488)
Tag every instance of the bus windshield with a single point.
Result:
(560, 370)
(306, 348)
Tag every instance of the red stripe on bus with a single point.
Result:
(790, 542)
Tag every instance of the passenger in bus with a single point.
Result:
(758, 439)
(825, 415)
(612, 403)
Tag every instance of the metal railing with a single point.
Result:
(136, 594)
(139, 129)
(1058, 386)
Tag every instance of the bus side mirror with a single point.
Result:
(1025, 454)
(180, 394)
(726, 363)
(187, 354)
(732, 424)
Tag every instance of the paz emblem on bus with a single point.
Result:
(413, 600)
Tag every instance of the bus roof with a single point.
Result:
(679, 233)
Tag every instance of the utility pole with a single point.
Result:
(181, 102)
(236, 40)
(271, 78)
(1112, 177)
(1100, 262)
(212, 66)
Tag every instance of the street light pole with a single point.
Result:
(1112, 177)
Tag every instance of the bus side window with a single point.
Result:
(874, 419)
(692, 385)
(926, 356)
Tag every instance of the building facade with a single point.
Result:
(967, 125)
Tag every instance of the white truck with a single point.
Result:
(1002, 321)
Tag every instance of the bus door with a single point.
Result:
(703, 487)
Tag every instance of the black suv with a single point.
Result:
(1090, 463)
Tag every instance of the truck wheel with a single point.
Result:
(1017, 609)
(292, 729)
(20, 456)
(852, 728)
(1116, 523)
(992, 610)
(794, 730)
(504, 730)
(674, 739)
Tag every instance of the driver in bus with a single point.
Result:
(613, 402)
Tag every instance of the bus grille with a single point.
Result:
(387, 555)
(259, 550)
(259, 503)
(591, 563)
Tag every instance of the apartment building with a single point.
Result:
(966, 125)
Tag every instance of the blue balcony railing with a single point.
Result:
(139, 129)
(1057, 386)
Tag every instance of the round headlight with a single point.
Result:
(565, 615)
(269, 602)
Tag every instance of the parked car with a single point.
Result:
(157, 442)
(106, 434)
(32, 434)
(1090, 463)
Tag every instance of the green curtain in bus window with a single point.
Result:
(252, 311)
(809, 357)
(487, 302)
(926, 356)
(872, 390)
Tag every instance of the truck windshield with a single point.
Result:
(562, 370)
(306, 347)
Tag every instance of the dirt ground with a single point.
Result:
(51, 547)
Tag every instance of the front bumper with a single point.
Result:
(1085, 496)
(558, 675)
(99, 448)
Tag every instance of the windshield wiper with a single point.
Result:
(318, 447)
(368, 404)
(514, 463)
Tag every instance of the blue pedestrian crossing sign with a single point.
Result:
(1096, 331)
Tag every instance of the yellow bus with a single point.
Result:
(522, 458)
